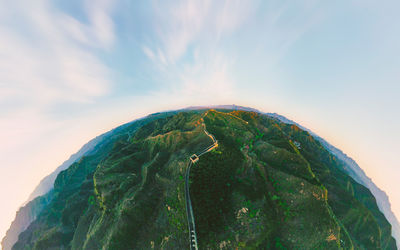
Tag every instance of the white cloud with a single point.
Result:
(101, 22)
(189, 50)
(149, 53)
(232, 14)
(207, 79)
(47, 52)
(184, 23)
(47, 57)
(187, 36)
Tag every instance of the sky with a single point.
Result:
(71, 70)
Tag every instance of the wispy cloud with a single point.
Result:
(185, 23)
(179, 24)
(185, 43)
(195, 41)
(232, 14)
(90, 57)
(206, 80)
(51, 53)
(46, 57)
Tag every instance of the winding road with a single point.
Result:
(189, 210)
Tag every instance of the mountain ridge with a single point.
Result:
(171, 113)
(30, 209)
(358, 174)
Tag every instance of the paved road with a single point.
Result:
(189, 209)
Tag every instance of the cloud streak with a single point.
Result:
(193, 42)
(47, 57)
(47, 54)
(67, 70)
(184, 24)
(185, 47)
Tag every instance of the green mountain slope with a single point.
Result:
(268, 185)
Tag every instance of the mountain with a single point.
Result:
(352, 168)
(268, 185)
(47, 183)
(40, 197)
(42, 194)
(28, 212)
(24, 217)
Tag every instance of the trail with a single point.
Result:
(189, 210)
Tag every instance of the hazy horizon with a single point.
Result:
(73, 70)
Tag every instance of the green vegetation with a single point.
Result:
(211, 189)
(268, 185)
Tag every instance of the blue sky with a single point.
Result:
(70, 70)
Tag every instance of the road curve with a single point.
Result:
(189, 209)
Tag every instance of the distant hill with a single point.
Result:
(47, 183)
(28, 212)
(269, 185)
(352, 168)
(42, 194)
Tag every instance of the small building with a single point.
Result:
(194, 158)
